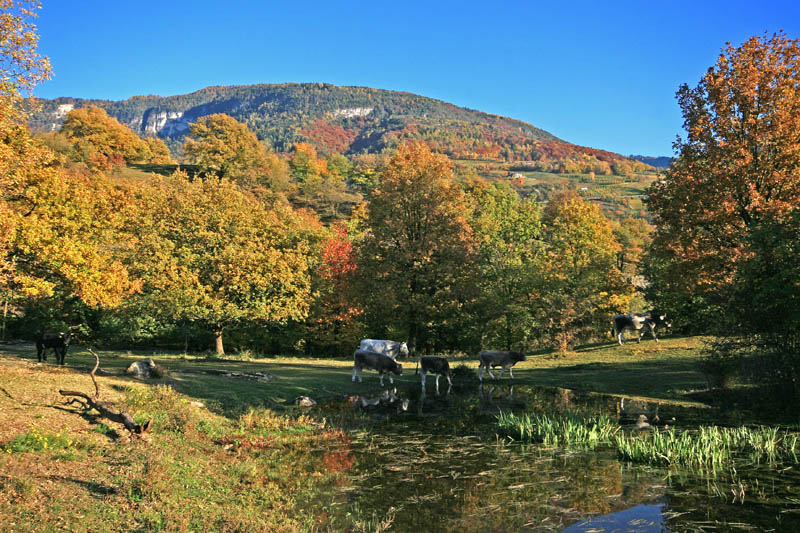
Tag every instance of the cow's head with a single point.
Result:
(660, 319)
(398, 369)
(404, 349)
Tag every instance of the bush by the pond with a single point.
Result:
(558, 429)
(708, 447)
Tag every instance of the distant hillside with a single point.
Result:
(654, 161)
(335, 119)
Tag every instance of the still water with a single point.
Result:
(438, 466)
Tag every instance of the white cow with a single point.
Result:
(390, 348)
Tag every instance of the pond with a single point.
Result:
(439, 466)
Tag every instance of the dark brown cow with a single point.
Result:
(58, 341)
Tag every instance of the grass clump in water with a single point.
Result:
(709, 447)
(558, 429)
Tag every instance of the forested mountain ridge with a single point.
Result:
(335, 119)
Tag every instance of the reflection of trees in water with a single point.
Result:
(446, 471)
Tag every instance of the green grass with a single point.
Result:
(709, 447)
(258, 470)
(558, 429)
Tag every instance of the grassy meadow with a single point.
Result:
(228, 452)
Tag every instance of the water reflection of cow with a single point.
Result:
(503, 401)
(387, 400)
(57, 340)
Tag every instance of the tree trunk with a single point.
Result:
(5, 314)
(218, 339)
(508, 332)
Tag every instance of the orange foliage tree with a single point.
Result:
(739, 162)
(102, 142)
(334, 320)
(418, 252)
(56, 227)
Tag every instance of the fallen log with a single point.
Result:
(93, 402)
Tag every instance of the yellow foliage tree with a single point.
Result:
(209, 252)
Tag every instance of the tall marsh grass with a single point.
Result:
(709, 447)
(558, 429)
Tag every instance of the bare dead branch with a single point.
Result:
(93, 402)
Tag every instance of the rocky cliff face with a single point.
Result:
(162, 123)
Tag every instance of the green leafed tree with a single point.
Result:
(509, 231)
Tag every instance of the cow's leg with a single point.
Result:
(380, 373)
(437, 383)
(40, 352)
(502, 369)
(619, 337)
(422, 377)
(489, 371)
(653, 333)
(355, 368)
(639, 335)
(511, 372)
(62, 354)
(449, 384)
(390, 379)
(480, 372)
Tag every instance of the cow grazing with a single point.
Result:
(375, 361)
(641, 323)
(502, 359)
(58, 341)
(434, 365)
(390, 348)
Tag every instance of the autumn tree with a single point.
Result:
(739, 162)
(210, 253)
(335, 317)
(21, 66)
(56, 227)
(419, 249)
(220, 144)
(321, 183)
(578, 284)
(159, 152)
(101, 141)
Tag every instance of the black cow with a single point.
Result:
(58, 341)
(434, 365)
(375, 361)
(502, 359)
(641, 323)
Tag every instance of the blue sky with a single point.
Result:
(599, 74)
